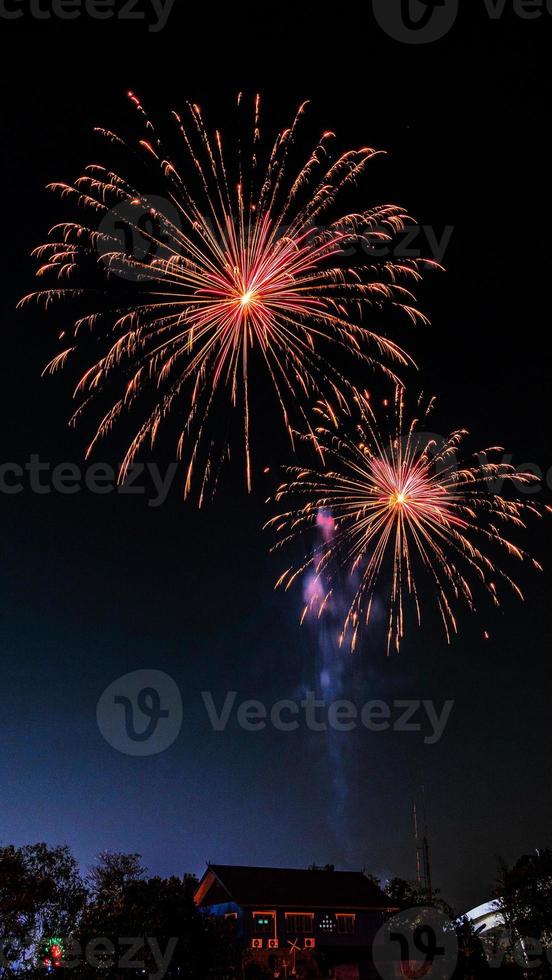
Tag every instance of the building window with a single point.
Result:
(264, 923)
(327, 923)
(299, 924)
(345, 924)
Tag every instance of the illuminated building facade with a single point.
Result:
(295, 922)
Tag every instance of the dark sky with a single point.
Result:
(96, 586)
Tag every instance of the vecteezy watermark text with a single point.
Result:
(134, 235)
(318, 715)
(526, 953)
(141, 714)
(43, 478)
(136, 953)
(154, 13)
(149, 480)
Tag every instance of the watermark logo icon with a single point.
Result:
(137, 237)
(140, 713)
(420, 942)
(416, 21)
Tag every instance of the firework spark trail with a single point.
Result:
(241, 274)
(404, 505)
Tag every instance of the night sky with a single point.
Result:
(93, 587)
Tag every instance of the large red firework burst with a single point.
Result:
(248, 266)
